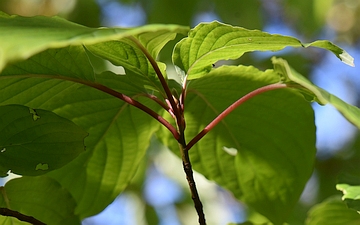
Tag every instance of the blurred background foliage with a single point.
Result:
(158, 193)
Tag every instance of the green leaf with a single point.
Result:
(127, 54)
(52, 204)
(119, 134)
(350, 112)
(34, 142)
(266, 137)
(69, 62)
(349, 184)
(208, 43)
(24, 37)
(332, 212)
(351, 195)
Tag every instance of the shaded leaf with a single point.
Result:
(127, 54)
(332, 211)
(52, 205)
(24, 37)
(270, 132)
(34, 142)
(208, 43)
(119, 135)
(350, 112)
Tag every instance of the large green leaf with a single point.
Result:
(350, 112)
(70, 62)
(34, 142)
(208, 43)
(52, 204)
(254, 152)
(118, 136)
(332, 211)
(22, 37)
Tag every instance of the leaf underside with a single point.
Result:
(34, 142)
(254, 152)
(270, 133)
(332, 211)
(18, 195)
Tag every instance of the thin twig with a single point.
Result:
(231, 108)
(191, 181)
(20, 216)
(158, 101)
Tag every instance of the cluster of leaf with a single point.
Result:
(51, 98)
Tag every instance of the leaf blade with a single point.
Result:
(36, 142)
(270, 133)
(350, 112)
(96, 177)
(24, 37)
(58, 209)
(208, 43)
(332, 211)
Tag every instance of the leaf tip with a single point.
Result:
(347, 59)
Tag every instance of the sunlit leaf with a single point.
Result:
(98, 176)
(119, 135)
(270, 132)
(22, 37)
(208, 43)
(62, 63)
(349, 184)
(332, 211)
(34, 142)
(52, 205)
(350, 112)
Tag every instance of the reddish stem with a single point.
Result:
(163, 82)
(158, 101)
(231, 108)
(138, 105)
(116, 94)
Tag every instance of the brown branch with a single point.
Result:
(20, 216)
(191, 181)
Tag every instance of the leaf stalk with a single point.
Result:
(174, 106)
(231, 108)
